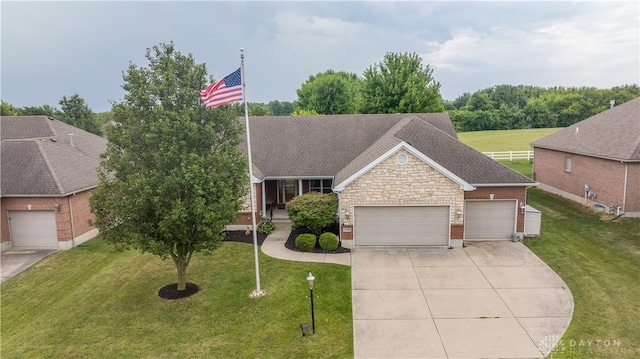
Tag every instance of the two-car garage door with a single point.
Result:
(401, 225)
(33, 229)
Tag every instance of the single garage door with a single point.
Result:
(489, 219)
(33, 229)
(401, 226)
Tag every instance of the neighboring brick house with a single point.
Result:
(401, 179)
(48, 171)
(595, 161)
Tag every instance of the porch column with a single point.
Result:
(299, 187)
(264, 199)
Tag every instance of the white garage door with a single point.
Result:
(33, 229)
(401, 226)
(489, 219)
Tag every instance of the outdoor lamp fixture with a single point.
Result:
(522, 207)
(311, 278)
(347, 214)
(458, 213)
(56, 207)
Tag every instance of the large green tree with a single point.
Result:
(8, 109)
(329, 93)
(173, 174)
(400, 84)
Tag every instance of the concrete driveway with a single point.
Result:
(488, 300)
(15, 260)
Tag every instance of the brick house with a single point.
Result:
(401, 179)
(48, 171)
(595, 161)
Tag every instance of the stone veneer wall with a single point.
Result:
(413, 183)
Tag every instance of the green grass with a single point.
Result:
(600, 262)
(93, 302)
(504, 140)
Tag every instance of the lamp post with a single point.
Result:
(310, 278)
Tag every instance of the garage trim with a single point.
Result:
(441, 225)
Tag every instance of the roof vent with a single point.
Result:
(50, 118)
(53, 139)
(71, 139)
(402, 158)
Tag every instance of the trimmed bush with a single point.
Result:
(306, 241)
(313, 210)
(328, 241)
(266, 227)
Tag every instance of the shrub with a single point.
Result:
(306, 241)
(313, 210)
(328, 241)
(266, 227)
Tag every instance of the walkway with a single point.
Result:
(273, 246)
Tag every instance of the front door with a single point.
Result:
(287, 189)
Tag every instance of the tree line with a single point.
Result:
(400, 83)
(507, 107)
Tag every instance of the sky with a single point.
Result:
(55, 49)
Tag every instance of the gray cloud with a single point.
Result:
(52, 49)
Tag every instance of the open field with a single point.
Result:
(504, 140)
(94, 302)
(600, 262)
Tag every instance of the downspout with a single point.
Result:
(339, 217)
(73, 230)
(624, 189)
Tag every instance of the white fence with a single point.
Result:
(510, 155)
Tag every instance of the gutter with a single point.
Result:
(48, 195)
(588, 154)
(530, 184)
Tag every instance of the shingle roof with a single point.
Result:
(341, 145)
(612, 134)
(33, 164)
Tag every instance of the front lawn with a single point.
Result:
(600, 262)
(93, 302)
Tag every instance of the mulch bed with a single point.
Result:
(171, 291)
(239, 236)
(291, 242)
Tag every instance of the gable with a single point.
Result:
(39, 159)
(387, 169)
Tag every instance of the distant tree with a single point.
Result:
(8, 109)
(537, 114)
(173, 175)
(479, 101)
(461, 101)
(281, 108)
(76, 112)
(329, 93)
(400, 84)
(45, 110)
(304, 113)
(258, 109)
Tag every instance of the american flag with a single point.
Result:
(225, 91)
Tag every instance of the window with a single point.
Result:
(320, 185)
(567, 164)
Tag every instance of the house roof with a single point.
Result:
(341, 145)
(612, 134)
(39, 160)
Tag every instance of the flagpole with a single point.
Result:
(257, 292)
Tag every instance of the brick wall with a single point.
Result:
(81, 213)
(390, 183)
(244, 216)
(605, 177)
